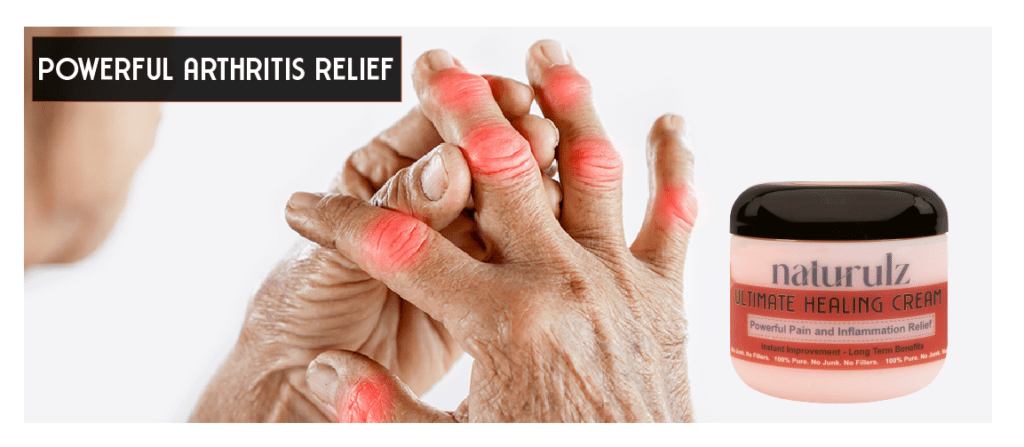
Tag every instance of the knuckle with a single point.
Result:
(459, 90)
(678, 207)
(595, 163)
(394, 242)
(565, 88)
(497, 151)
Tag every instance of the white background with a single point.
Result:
(134, 332)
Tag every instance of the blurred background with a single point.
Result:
(134, 332)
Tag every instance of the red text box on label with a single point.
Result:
(870, 331)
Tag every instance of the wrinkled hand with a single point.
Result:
(316, 299)
(568, 323)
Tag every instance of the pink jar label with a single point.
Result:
(833, 305)
(848, 329)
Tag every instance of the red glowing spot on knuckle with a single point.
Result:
(677, 207)
(496, 151)
(368, 400)
(394, 242)
(460, 91)
(595, 163)
(565, 88)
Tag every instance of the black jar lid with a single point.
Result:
(847, 211)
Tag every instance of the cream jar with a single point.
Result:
(838, 291)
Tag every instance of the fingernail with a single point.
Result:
(303, 200)
(323, 382)
(434, 178)
(439, 60)
(558, 135)
(554, 52)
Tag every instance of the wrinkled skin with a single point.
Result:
(80, 158)
(316, 299)
(572, 324)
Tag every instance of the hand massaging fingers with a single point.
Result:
(383, 253)
(413, 136)
(436, 188)
(588, 166)
(352, 388)
(508, 191)
(436, 276)
(371, 167)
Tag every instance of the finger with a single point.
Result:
(542, 135)
(435, 189)
(672, 207)
(398, 249)
(553, 191)
(588, 166)
(508, 192)
(413, 136)
(368, 168)
(349, 387)
(513, 97)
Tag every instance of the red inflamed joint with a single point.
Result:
(595, 163)
(459, 91)
(675, 207)
(368, 400)
(497, 152)
(564, 88)
(394, 242)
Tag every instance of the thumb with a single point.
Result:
(435, 189)
(349, 387)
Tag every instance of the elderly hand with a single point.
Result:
(567, 322)
(316, 299)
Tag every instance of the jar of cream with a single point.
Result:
(838, 290)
